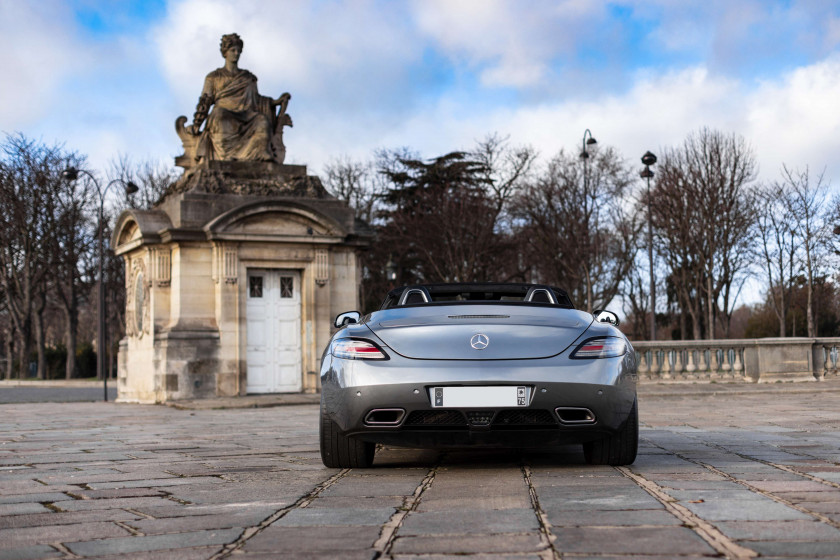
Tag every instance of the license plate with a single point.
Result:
(478, 397)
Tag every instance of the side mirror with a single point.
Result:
(604, 316)
(347, 318)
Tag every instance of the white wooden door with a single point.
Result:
(274, 346)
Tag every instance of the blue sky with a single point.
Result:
(107, 78)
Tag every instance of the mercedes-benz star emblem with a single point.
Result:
(479, 341)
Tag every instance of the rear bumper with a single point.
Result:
(352, 388)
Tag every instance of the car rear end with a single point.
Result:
(490, 374)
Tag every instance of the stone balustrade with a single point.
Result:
(826, 351)
(747, 360)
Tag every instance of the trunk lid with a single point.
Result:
(446, 332)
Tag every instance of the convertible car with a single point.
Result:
(458, 365)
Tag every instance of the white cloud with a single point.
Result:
(367, 75)
(96, 95)
(513, 43)
(37, 53)
(796, 120)
(335, 57)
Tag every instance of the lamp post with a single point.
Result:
(584, 155)
(71, 174)
(649, 159)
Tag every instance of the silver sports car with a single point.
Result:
(452, 365)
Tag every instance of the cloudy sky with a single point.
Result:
(110, 77)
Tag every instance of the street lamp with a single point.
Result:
(71, 174)
(649, 159)
(584, 155)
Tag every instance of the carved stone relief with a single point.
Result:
(225, 263)
(138, 297)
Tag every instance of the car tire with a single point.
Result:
(617, 449)
(341, 452)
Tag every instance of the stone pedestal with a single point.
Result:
(188, 266)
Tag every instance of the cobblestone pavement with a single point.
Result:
(735, 475)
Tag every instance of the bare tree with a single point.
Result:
(505, 170)
(579, 231)
(29, 173)
(807, 201)
(779, 247)
(48, 229)
(73, 250)
(635, 297)
(22, 234)
(675, 220)
(153, 177)
(357, 183)
(704, 213)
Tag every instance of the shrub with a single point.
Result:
(85, 360)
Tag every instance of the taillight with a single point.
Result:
(600, 347)
(356, 350)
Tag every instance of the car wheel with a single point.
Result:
(617, 449)
(342, 452)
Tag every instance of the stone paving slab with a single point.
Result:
(194, 553)
(795, 549)
(721, 471)
(116, 503)
(336, 540)
(561, 516)
(30, 553)
(725, 510)
(344, 502)
(136, 492)
(829, 495)
(30, 536)
(336, 517)
(469, 544)
(639, 540)
(157, 542)
(435, 502)
(822, 507)
(56, 519)
(22, 508)
(24, 498)
(598, 499)
(809, 530)
(245, 518)
(465, 522)
(184, 511)
(512, 556)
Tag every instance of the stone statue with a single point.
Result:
(240, 124)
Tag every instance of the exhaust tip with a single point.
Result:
(574, 415)
(384, 416)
